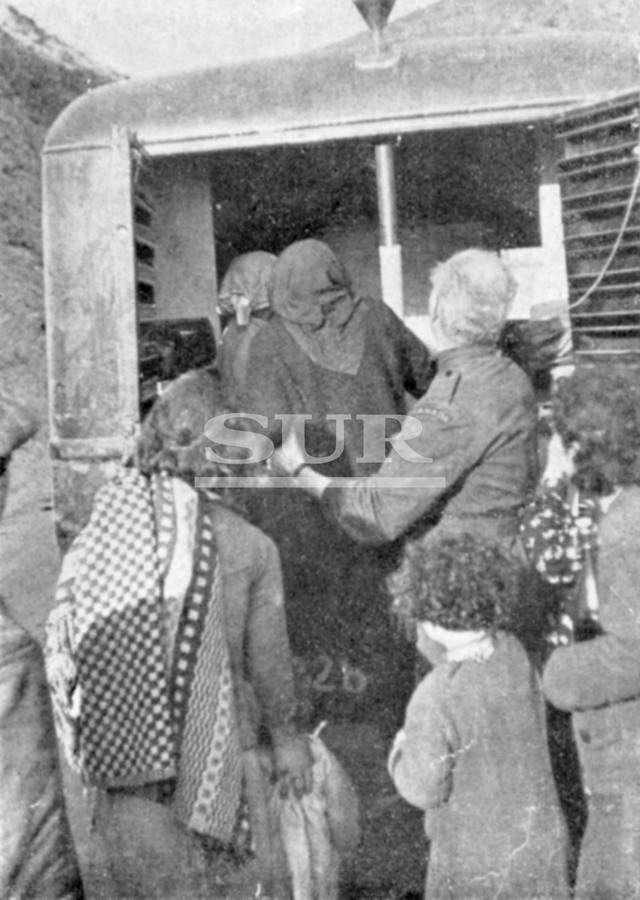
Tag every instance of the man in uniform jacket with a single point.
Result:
(465, 460)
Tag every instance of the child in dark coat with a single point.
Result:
(473, 751)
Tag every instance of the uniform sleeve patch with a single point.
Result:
(442, 414)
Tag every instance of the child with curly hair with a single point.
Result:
(473, 751)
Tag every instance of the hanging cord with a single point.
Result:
(616, 246)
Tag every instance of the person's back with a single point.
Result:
(327, 353)
(243, 301)
(37, 856)
(465, 459)
(283, 378)
(597, 415)
(176, 619)
(499, 827)
(599, 680)
(473, 751)
(484, 405)
(233, 358)
(469, 446)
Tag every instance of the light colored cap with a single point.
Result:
(472, 294)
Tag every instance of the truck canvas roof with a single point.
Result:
(438, 83)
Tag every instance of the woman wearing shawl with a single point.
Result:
(167, 650)
(244, 300)
(325, 351)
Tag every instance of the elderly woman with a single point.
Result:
(597, 414)
(244, 301)
(329, 354)
(328, 351)
(471, 463)
(167, 651)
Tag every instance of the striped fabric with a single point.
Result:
(126, 718)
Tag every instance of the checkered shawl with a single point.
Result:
(128, 711)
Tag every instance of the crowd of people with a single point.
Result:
(393, 518)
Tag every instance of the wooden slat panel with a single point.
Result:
(607, 352)
(614, 291)
(601, 221)
(623, 149)
(597, 168)
(605, 331)
(612, 274)
(602, 107)
(598, 304)
(591, 198)
(145, 249)
(145, 274)
(617, 317)
(606, 236)
(607, 143)
(602, 124)
(598, 177)
(612, 148)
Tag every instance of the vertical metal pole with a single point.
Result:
(389, 249)
(554, 283)
(385, 175)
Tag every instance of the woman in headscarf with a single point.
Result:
(244, 301)
(167, 652)
(328, 352)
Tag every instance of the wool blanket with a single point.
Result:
(134, 704)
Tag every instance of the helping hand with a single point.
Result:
(288, 458)
(293, 763)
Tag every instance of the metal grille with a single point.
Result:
(145, 250)
(599, 179)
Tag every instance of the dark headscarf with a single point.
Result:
(311, 291)
(173, 436)
(248, 275)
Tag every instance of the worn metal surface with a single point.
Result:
(91, 318)
(89, 244)
(438, 83)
